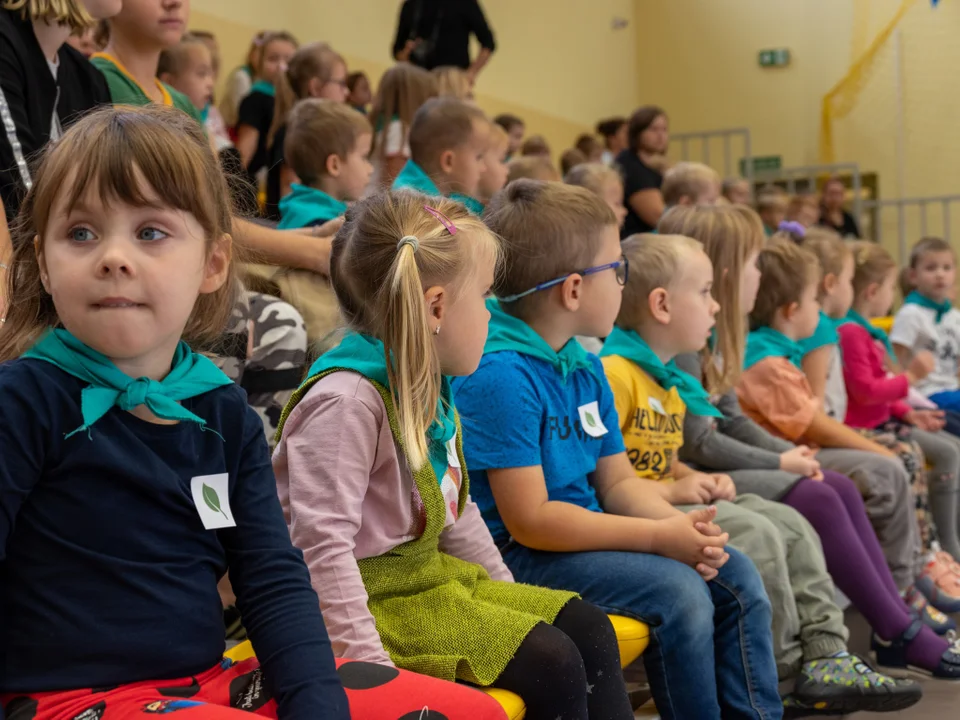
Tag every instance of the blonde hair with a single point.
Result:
(829, 249)
(441, 124)
(71, 13)
(121, 153)
(318, 129)
(314, 60)
(656, 261)
(453, 82)
(499, 138)
(380, 286)
(786, 269)
(548, 229)
(570, 159)
(871, 265)
(402, 90)
(730, 234)
(535, 146)
(592, 176)
(534, 167)
(174, 60)
(272, 37)
(688, 179)
(771, 198)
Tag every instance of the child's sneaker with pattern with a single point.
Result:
(940, 585)
(934, 619)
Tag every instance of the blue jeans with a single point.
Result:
(711, 654)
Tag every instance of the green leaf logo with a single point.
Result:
(590, 421)
(212, 500)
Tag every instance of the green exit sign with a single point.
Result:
(762, 164)
(779, 57)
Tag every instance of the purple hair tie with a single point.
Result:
(793, 227)
(444, 220)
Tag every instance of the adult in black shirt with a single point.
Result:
(649, 136)
(435, 33)
(832, 214)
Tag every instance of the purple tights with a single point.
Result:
(856, 562)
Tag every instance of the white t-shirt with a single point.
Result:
(835, 391)
(915, 327)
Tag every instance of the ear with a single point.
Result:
(333, 165)
(447, 158)
(870, 292)
(218, 265)
(830, 282)
(789, 310)
(42, 263)
(571, 292)
(435, 300)
(658, 303)
(165, 78)
(314, 87)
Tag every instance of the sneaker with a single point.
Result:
(934, 619)
(893, 654)
(846, 684)
(940, 585)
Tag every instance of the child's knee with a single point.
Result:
(553, 654)
(686, 604)
(741, 576)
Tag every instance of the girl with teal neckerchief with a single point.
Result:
(372, 478)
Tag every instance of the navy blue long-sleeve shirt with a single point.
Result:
(107, 575)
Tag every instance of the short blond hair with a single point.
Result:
(535, 145)
(688, 179)
(548, 229)
(772, 198)
(656, 261)
(317, 129)
(829, 249)
(533, 167)
(499, 138)
(174, 60)
(786, 269)
(592, 176)
(71, 13)
(441, 124)
(871, 265)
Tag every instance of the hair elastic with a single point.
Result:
(444, 220)
(408, 240)
(793, 227)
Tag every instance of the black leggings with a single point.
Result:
(570, 670)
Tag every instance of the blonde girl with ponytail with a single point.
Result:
(372, 479)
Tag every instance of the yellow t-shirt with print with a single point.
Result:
(651, 418)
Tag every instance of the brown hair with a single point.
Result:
(380, 287)
(687, 179)
(730, 235)
(314, 60)
(317, 129)
(508, 121)
(928, 245)
(771, 198)
(173, 60)
(871, 265)
(798, 202)
(570, 159)
(453, 82)
(119, 153)
(592, 176)
(272, 37)
(786, 270)
(535, 145)
(610, 127)
(640, 121)
(534, 167)
(656, 261)
(441, 124)
(402, 90)
(587, 144)
(548, 229)
(71, 13)
(354, 78)
(829, 249)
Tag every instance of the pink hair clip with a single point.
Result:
(444, 220)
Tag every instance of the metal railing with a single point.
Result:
(791, 175)
(705, 139)
(924, 222)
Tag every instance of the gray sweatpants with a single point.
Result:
(942, 451)
(885, 487)
(807, 624)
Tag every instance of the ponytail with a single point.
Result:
(415, 370)
(286, 98)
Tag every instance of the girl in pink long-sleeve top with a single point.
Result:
(878, 399)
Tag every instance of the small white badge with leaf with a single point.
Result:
(590, 420)
(211, 495)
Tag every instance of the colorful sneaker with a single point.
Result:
(893, 655)
(846, 684)
(934, 619)
(940, 586)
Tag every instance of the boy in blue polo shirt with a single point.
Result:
(552, 479)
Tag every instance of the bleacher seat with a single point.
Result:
(884, 323)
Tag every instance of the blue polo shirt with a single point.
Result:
(518, 411)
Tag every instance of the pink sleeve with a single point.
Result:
(867, 382)
(899, 409)
(469, 539)
(330, 451)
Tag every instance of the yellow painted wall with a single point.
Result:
(559, 64)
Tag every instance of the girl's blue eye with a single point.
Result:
(151, 234)
(80, 234)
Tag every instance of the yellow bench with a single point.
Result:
(633, 637)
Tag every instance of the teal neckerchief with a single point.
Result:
(413, 177)
(766, 342)
(876, 333)
(190, 375)
(365, 355)
(628, 344)
(305, 206)
(264, 87)
(205, 113)
(825, 334)
(509, 333)
(940, 308)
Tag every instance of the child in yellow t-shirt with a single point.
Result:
(668, 309)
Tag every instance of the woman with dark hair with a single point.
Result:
(641, 164)
(832, 214)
